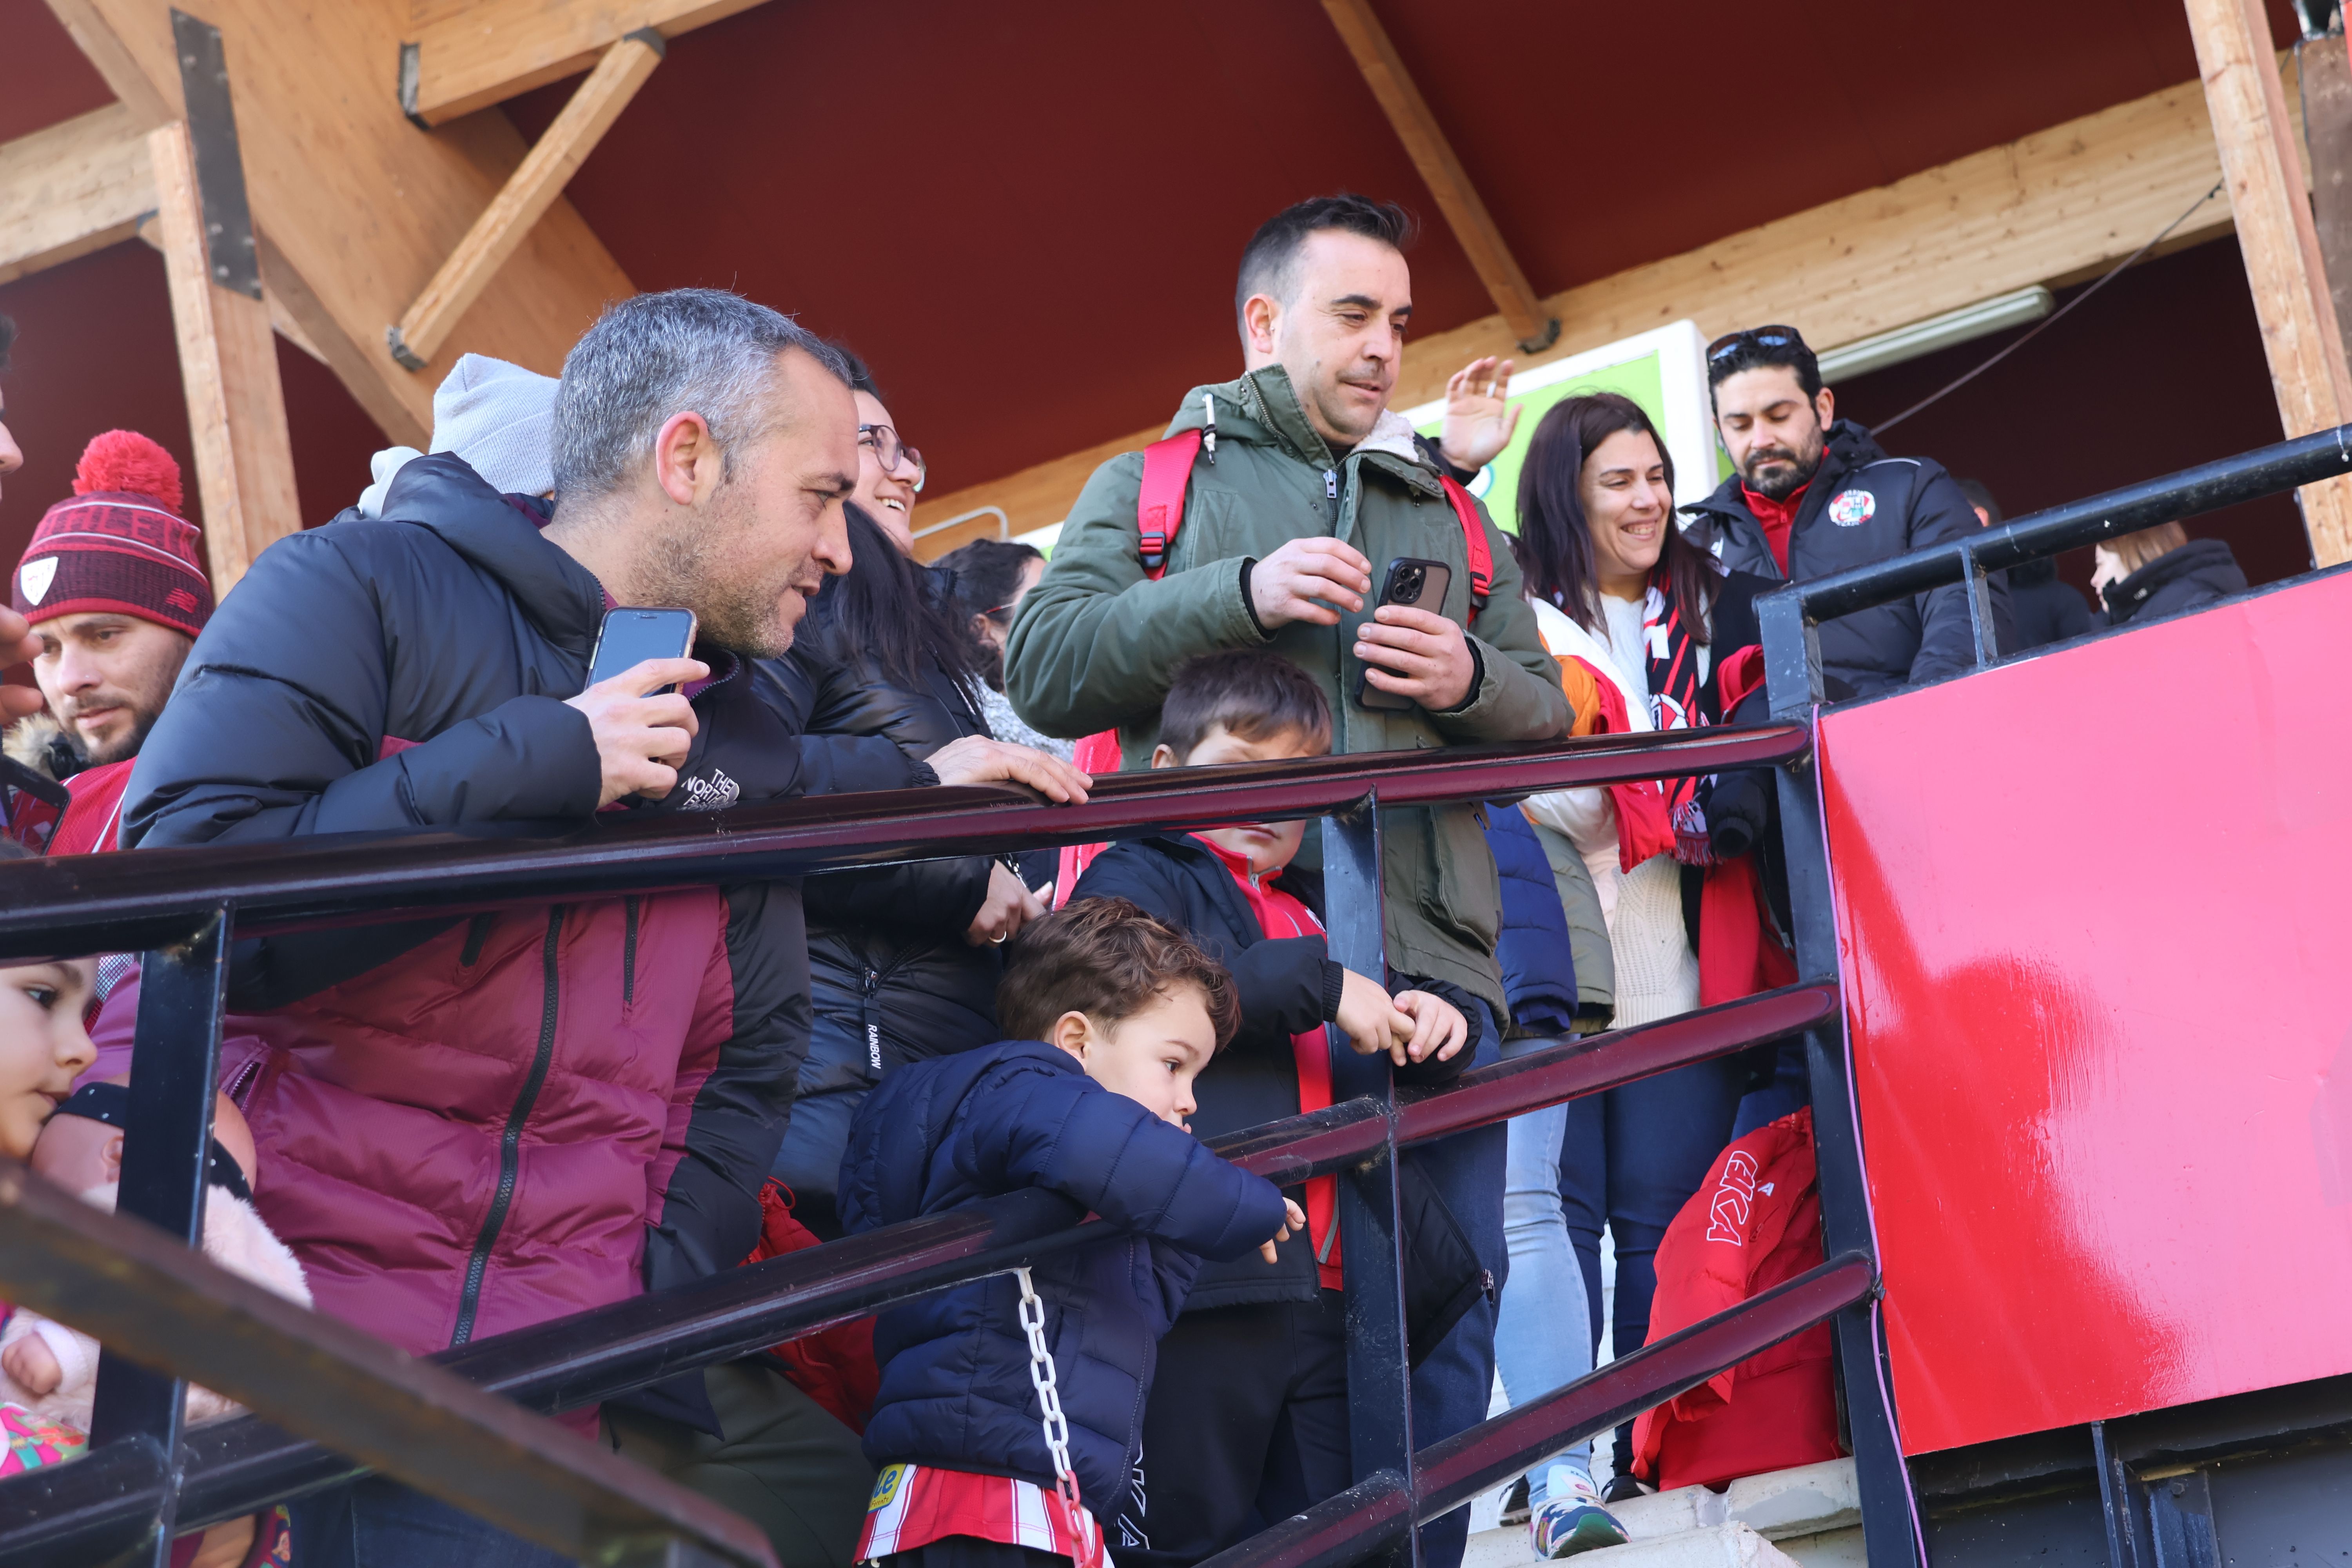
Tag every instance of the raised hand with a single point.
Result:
(1478, 425)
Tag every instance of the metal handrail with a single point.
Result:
(1356, 1523)
(236, 1467)
(130, 902)
(2208, 487)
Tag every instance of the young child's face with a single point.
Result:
(43, 1047)
(1267, 845)
(1151, 1055)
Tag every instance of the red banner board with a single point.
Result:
(2095, 916)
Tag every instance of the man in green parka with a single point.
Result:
(1314, 484)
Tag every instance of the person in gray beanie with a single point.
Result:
(497, 417)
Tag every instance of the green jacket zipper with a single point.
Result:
(470, 1299)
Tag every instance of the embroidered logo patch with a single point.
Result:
(1851, 509)
(715, 793)
(37, 576)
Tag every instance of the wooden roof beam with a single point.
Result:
(1532, 325)
(71, 188)
(353, 209)
(2054, 207)
(229, 368)
(534, 187)
(2261, 154)
(464, 54)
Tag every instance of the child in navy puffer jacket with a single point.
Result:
(1122, 1012)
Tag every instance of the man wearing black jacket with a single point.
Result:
(1814, 495)
(473, 1127)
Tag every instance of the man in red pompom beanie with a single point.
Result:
(114, 587)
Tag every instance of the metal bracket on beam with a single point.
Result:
(1543, 340)
(231, 257)
(410, 65)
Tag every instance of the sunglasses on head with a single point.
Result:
(1763, 337)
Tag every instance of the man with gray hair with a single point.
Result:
(469, 1126)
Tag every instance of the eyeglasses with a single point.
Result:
(888, 449)
(1763, 337)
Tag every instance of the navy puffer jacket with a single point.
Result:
(1538, 960)
(949, 1132)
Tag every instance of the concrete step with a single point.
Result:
(1810, 1515)
(1711, 1546)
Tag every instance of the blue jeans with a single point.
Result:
(1534, 1347)
(375, 1522)
(1452, 1388)
(1631, 1157)
(1790, 1091)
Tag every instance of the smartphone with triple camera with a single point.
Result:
(633, 633)
(1420, 585)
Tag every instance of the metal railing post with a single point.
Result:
(1981, 623)
(1379, 1377)
(1792, 665)
(174, 1059)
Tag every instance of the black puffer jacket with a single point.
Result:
(1286, 987)
(892, 978)
(2189, 578)
(2042, 609)
(410, 675)
(1863, 506)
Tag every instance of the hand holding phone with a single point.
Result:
(1412, 654)
(642, 725)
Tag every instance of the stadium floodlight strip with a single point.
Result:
(1966, 324)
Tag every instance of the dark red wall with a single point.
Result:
(1028, 216)
(2160, 370)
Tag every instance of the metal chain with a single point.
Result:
(1049, 1393)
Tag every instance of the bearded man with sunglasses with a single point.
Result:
(1813, 494)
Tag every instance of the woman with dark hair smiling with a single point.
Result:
(1625, 601)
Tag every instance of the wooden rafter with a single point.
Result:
(228, 367)
(534, 187)
(463, 54)
(2260, 153)
(354, 208)
(2053, 208)
(72, 188)
(1473, 227)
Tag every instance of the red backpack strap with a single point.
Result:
(1473, 539)
(1159, 509)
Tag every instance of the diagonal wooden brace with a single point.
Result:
(534, 187)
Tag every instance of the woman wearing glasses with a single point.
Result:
(903, 959)
(889, 472)
(1656, 621)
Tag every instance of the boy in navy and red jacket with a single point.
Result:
(1248, 1421)
(1114, 1014)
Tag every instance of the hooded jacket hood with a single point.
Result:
(493, 531)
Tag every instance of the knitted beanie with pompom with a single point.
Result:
(119, 544)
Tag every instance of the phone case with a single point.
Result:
(1399, 585)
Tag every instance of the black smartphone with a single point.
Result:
(633, 633)
(1421, 584)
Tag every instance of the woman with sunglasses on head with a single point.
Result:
(1625, 602)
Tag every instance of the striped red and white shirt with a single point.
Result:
(914, 1505)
